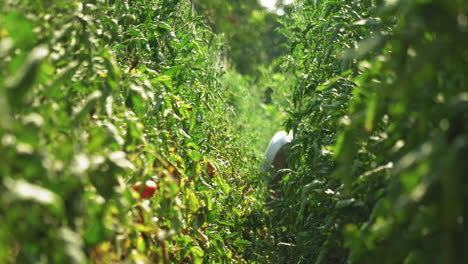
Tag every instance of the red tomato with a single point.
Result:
(148, 190)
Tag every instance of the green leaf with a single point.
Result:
(24, 79)
(242, 243)
(24, 190)
(193, 202)
(164, 25)
(197, 254)
(119, 159)
(53, 87)
(86, 108)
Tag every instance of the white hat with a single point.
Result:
(276, 143)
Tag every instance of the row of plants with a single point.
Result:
(249, 30)
(116, 141)
(377, 171)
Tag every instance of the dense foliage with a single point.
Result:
(251, 32)
(98, 97)
(381, 133)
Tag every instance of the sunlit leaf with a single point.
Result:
(26, 191)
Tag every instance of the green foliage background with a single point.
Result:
(96, 95)
(250, 31)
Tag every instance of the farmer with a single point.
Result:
(275, 155)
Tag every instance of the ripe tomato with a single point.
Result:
(148, 190)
